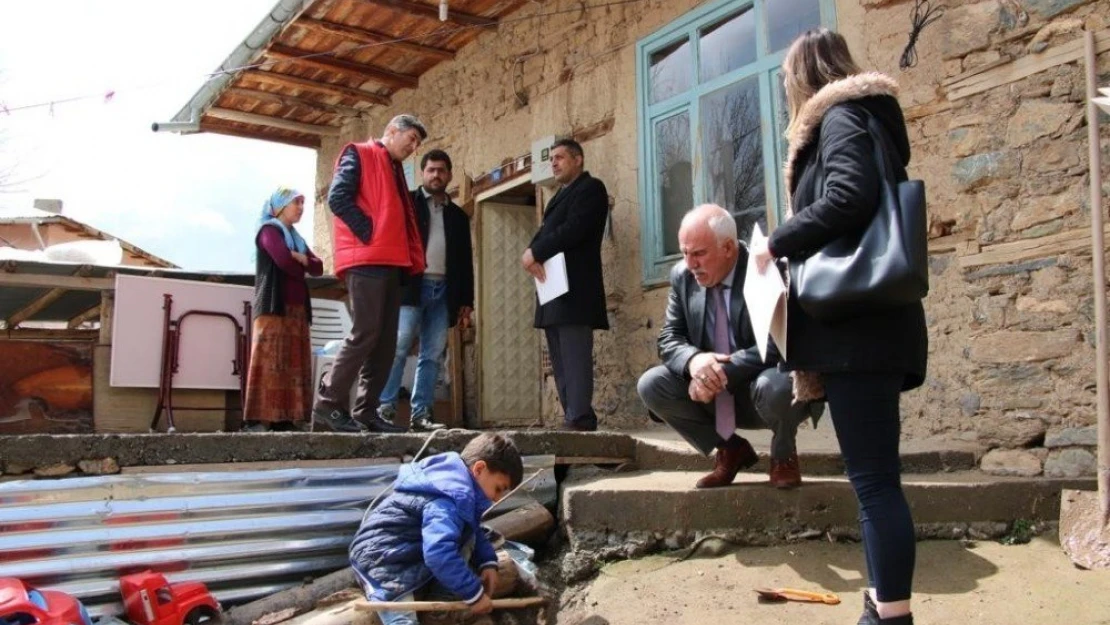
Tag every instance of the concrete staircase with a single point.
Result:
(656, 505)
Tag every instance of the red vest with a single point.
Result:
(396, 239)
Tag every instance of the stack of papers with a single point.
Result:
(765, 296)
(555, 282)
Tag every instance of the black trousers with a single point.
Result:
(864, 409)
(572, 359)
(367, 354)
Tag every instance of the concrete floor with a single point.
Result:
(986, 583)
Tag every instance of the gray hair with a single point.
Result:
(719, 220)
(408, 122)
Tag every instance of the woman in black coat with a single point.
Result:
(864, 362)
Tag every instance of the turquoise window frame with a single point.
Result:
(656, 263)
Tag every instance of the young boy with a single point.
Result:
(427, 530)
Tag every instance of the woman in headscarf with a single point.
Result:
(279, 379)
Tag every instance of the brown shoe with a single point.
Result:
(731, 458)
(786, 473)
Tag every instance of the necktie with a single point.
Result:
(723, 403)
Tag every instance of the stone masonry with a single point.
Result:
(1011, 342)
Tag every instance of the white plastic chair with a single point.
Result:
(331, 321)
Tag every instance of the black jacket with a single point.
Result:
(460, 257)
(833, 144)
(574, 223)
(684, 334)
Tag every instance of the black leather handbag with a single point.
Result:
(884, 266)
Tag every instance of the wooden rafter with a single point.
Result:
(208, 125)
(280, 123)
(364, 36)
(89, 315)
(40, 303)
(379, 75)
(427, 10)
(288, 100)
(74, 283)
(287, 80)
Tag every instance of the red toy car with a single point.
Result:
(150, 600)
(22, 605)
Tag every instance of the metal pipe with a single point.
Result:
(1098, 271)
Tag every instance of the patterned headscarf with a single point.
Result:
(279, 199)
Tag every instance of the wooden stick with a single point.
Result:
(1098, 271)
(515, 603)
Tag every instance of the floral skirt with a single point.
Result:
(279, 379)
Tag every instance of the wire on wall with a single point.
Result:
(924, 13)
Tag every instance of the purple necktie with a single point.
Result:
(725, 408)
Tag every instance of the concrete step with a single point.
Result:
(608, 508)
(656, 454)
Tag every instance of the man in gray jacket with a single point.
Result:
(712, 379)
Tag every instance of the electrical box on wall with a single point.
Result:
(541, 161)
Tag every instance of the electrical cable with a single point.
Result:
(924, 13)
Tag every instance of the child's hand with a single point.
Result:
(483, 606)
(489, 580)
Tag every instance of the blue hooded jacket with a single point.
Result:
(420, 530)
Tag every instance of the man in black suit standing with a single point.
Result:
(574, 224)
(713, 379)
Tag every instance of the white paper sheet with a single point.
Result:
(765, 296)
(555, 284)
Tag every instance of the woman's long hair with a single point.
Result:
(815, 59)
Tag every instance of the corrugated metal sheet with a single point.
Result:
(246, 534)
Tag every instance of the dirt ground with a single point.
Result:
(981, 583)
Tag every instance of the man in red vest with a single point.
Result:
(377, 246)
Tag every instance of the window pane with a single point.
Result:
(786, 19)
(727, 45)
(671, 70)
(673, 176)
(733, 140)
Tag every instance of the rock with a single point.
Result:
(1011, 430)
(1051, 8)
(965, 141)
(577, 567)
(1057, 306)
(1054, 157)
(1014, 462)
(55, 470)
(1038, 210)
(1011, 346)
(1070, 463)
(969, 403)
(1072, 437)
(12, 468)
(1035, 119)
(1083, 535)
(102, 466)
(968, 28)
(978, 170)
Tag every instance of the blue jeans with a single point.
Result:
(429, 321)
(399, 618)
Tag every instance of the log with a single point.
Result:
(303, 598)
(445, 606)
(530, 524)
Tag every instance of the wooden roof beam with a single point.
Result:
(47, 281)
(427, 10)
(364, 36)
(288, 100)
(40, 303)
(208, 125)
(379, 75)
(91, 314)
(269, 121)
(274, 78)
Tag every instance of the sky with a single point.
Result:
(194, 200)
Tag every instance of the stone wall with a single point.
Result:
(1011, 353)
